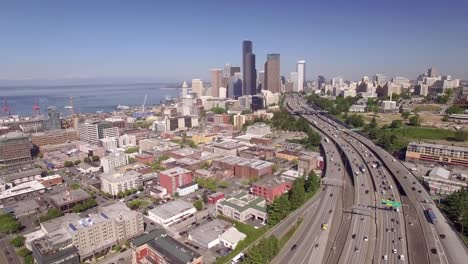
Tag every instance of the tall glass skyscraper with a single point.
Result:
(248, 69)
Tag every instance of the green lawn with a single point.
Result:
(425, 133)
(289, 234)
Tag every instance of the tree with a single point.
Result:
(405, 115)
(8, 224)
(95, 158)
(205, 197)
(396, 124)
(218, 110)
(75, 186)
(461, 135)
(87, 160)
(77, 162)
(68, 163)
(198, 204)
(17, 241)
(131, 150)
(456, 207)
(131, 160)
(415, 120)
(297, 193)
(246, 112)
(23, 252)
(454, 110)
(312, 182)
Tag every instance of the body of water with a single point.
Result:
(86, 98)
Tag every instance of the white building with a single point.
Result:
(355, 108)
(197, 87)
(231, 238)
(293, 78)
(109, 143)
(439, 181)
(111, 132)
(127, 141)
(387, 106)
(301, 75)
(113, 183)
(88, 133)
(114, 160)
(171, 212)
(187, 189)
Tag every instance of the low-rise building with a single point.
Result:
(242, 207)
(171, 212)
(441, 182)
(244, 167)
(228, 148)
(157, 247)
(231, 238)
(46, 251)
(311, 161)
(187, 189)
(288, 155)
(114, 183)
(271, 188)
(207, 235)
(20, 191)
(258, 130)
(66, 200)
(215, 197)
(50, 180)
(434, 153)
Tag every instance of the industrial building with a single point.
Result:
(171, 212)
(242, 167)
(242, 207)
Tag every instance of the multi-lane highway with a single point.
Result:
(377, 233)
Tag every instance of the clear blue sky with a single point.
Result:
(180, 40)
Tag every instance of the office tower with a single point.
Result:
(380, 79)
(197, 87)
(184, 90)
(216, 81)
(321, 81)
(248, 69)
(235, 87)
(53, 121)
(88, 133)
(14, 148)
(235, 70)
(431, 72)
(293, 80)
(102, 126)
(272, 73)
(301, 75)
(227, 70)
(260, 80)
(337, 82)
(257, 102)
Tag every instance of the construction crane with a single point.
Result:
(6, 109)
(144, 102)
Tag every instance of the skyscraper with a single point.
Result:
(53, 119)
(293, 79)
(431, 72)
(216, 81)
(197, 87)
(272, 73)
(248, 69)
(260, 80)
(235, 86)
(184, 90)
(301, 75)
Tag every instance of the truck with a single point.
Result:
(431, 217)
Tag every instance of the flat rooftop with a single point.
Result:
(171, 209)
(242, 201)
(69, 196)
(446, 147)
(210, 231)
(175, 171)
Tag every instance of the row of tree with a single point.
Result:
(282, 120)
(86, 205)
(263, 252)
(456, 208)
(297, 195)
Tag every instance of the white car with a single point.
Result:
(385, 257)
(366, 238)
(402, 258)
(394, 251)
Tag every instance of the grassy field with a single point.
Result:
(425, 133)
(428, 107)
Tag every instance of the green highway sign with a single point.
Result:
(391, 203)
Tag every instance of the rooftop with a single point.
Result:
(116, 177)
(210, 231)
(20, 189)
(446, 147)
(228, 145)
(242, 201)
(233, 235)
(69, 196)
(171, 209)
(175, 171)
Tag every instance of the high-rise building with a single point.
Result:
(14, 148)
(197, 87)
(321, 81)
(88, 133)
(272, 73)
(235, 87)
(431, 72)
(184, 90)
(248, 68)
(216, 81)
(235, 70)
(260, 80)
(301, 75)
(114, 160)
(293, 79)
(53, 121)
(380, 79)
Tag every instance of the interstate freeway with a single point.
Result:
(376, 234)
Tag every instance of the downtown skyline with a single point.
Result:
(81, 41)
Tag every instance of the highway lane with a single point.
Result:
(309, 243)
(452, 244)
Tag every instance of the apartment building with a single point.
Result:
(113, 160)
(14, 148)
(54, 137)
(113, 183)
(434, 153)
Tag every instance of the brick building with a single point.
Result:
(269, 189)
(173, 178)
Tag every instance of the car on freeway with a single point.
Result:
(294, 247)
(366, 238)
(394, 251)
(385, 257)
(402, 257)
